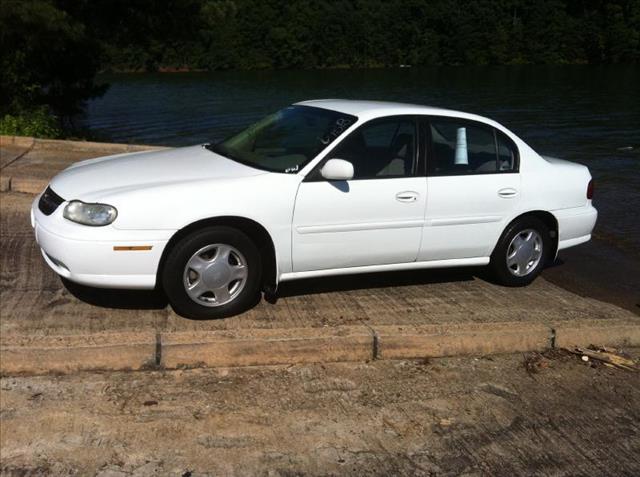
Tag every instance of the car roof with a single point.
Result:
(367, 110)
(372, 109)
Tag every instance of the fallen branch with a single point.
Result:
(607, 357)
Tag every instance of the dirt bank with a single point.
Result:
(468, 416)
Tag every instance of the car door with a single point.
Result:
(373, 219)
(473, 188)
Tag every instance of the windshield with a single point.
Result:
(287, 140)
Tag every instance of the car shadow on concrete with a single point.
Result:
(116, 298)
(156, 300)
(340, 283)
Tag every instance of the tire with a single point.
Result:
(203, 264)
(521, 252)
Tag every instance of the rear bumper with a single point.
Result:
(88, 255)
(575, 225)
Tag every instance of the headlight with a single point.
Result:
(90, 214)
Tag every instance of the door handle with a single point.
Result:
(407, 196)
(507, 192)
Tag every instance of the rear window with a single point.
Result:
(465, 147)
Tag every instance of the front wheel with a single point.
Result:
(212, 273)
(521, 252)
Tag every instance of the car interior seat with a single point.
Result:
(401, 157)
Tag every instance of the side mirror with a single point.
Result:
(337, 170)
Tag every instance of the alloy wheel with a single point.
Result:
(524, 252)
(215, 275)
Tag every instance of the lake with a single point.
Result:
(587, 114)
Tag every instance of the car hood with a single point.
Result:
(91, 179)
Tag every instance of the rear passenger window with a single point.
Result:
(462, 147)
(507, 153)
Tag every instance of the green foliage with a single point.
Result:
(37, 123)
(48, 58)
(45, 38)
(250, 34)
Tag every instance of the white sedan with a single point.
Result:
(321, 187)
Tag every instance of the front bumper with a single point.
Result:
(87, 255)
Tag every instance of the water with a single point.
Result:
(585, 114)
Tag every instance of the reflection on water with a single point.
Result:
(582, 113)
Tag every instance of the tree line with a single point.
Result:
(248, 34)
(53, 49)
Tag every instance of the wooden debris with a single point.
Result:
(606, 356)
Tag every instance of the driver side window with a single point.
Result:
(381, 149)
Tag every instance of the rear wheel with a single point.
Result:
(213, 273)
(521, 252)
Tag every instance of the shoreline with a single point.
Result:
(186, 69)
(599, 270)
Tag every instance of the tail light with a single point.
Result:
(590, 189)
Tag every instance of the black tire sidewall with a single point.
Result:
(173, 269)
(499, 256)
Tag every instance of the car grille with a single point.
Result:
(49, 201)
